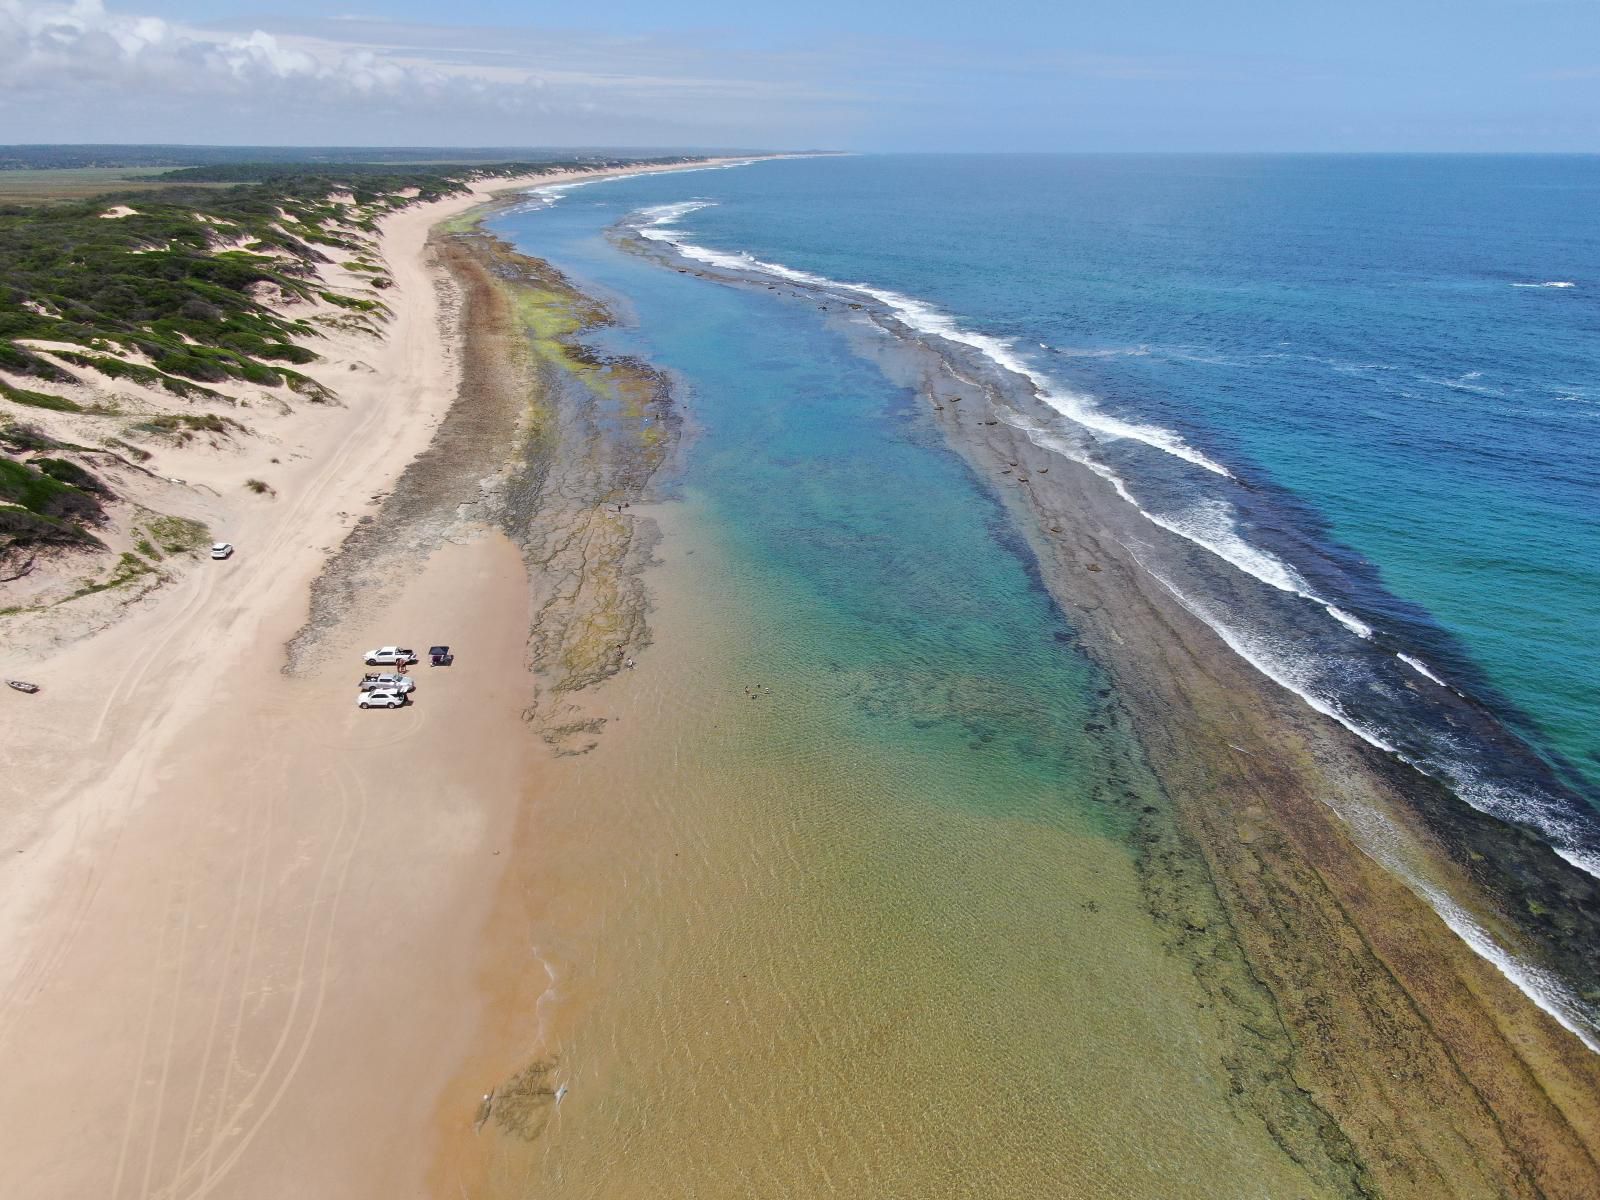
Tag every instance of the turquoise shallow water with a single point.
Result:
(874, 563)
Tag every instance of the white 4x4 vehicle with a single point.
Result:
(390, 656)
(388, 682)
(221, 550)
(382, 698)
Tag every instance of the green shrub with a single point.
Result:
(72, 473)
(193, 366)
(254, 372)
(178, 534)
(352, 302)
(38, 399)
(20, 526)
(305, 386)
(171, 423)
(285, 352)
(114, 368)
(25, 485)
(20, 436)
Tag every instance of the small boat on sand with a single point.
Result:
(22, 686)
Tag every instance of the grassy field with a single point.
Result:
(77, 183)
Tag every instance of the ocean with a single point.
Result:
(1394, 356)
(1362, 390)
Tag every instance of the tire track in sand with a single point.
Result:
(311, 981)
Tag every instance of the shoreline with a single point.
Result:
(231, 862)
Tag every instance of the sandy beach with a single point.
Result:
(241, 918)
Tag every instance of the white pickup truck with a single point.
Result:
(381, 699)
(390, 656)
(388, 681)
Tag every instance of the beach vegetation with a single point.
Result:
(25, 485)
(184, 425)
(129, 568)
(37, 507)
(20, 436)
(356, 303)
(21, 526)
(190, 290)
(65, 471)
(34, 399)
(137, 453)
(178, 535)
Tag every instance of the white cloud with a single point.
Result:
(60, 47)
(75, 70)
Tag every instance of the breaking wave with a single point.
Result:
(1421, 668)
(929, 321)
(1294, 672)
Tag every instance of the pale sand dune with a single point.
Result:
(239, 917)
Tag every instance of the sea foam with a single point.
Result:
(1421, 668)
(927, 320)
(1379, 840)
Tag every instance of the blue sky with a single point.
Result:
(865, 75)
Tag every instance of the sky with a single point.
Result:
(892, 75)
